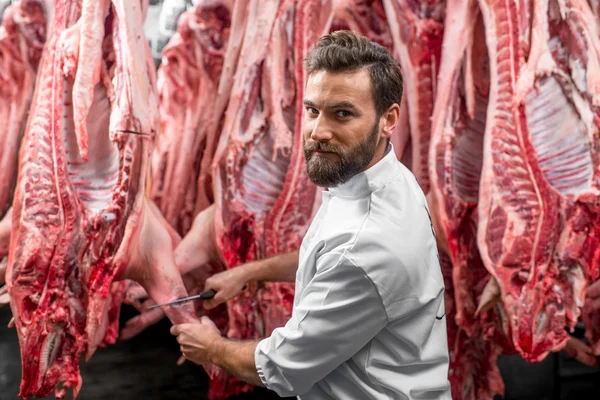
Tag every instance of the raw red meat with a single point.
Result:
(5, 225)
(365, 17)
(196, 74)
(417, 31)
(457, 152)
(80, 223)
(595, 5)
(456, 155)
(473, 372)
(22, 37)
(177, 66)
(192, 81)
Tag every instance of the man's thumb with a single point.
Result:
(215, 301)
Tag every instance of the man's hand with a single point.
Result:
(203, 344)
(197, 340)
(581, 352)
(228, 284)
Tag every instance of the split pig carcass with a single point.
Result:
(476, 337)
(539, 199)
(514, 168)
(22, 38)
(194, 82)
(81, 216)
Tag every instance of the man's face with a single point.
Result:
(340, 126)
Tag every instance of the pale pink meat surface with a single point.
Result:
(184, 118)
(417, 29)
(192, 102)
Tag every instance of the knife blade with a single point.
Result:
(208, 294)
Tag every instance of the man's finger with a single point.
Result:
(581, 352)
(215, 301)
(181, 360)
(181, 339)
(210, 304)
(180, 328)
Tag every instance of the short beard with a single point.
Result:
(325, 173)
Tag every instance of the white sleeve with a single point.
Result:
(340, 312)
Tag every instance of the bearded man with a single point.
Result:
(368, 319)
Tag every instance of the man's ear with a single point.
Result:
(389, 120)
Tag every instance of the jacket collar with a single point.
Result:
(371, 179)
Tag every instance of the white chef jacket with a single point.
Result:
(368, 320)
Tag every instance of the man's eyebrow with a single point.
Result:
(339, 104)
(343, 104)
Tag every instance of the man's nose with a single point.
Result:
(321, 131)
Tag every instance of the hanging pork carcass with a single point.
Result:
(513, 165)
(194, 87)
(192, 108)
(476, 337)
(417, 30)
(538, 196)
(81, 218)
(22, 38)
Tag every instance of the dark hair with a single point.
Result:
(346, 51)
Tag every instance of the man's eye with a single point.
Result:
(312, 110)
(343, 113)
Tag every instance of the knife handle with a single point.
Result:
(208, 294)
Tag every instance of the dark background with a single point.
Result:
(144, 368)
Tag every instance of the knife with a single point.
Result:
(207, 294)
